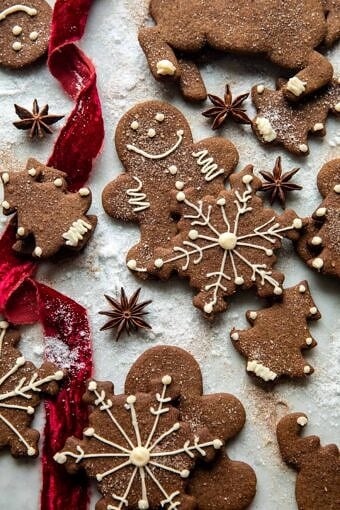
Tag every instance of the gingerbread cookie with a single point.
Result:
(48, 217)
(226, 242)
(21, 385)
(24, 32)
(281, 122)
(319, 245)
(273, 345)
(287, 33)
(332, 11)
(318, 479)
(144, 448)
(154, 143)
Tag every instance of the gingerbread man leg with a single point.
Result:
(160, 56)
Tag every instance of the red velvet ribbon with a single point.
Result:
(24, 300)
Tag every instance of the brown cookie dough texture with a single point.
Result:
(21, 387)
(281, 122)
(24, 31)
(319, 244)
(287, 33)
(332, 11)
(318, 479)
(155, 145)
(47, 216)
(278, 334)
(161, 443)
(225, 243)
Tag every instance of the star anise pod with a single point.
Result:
(37, 121)
(127, 314)
(227, 107)
(278, 183)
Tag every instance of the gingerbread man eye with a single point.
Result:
(134, 125)
(160, 117)
(151, 133)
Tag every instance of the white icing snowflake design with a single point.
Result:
(20, 384)
(144, 461)
(232, 239)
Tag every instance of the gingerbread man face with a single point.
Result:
(24, 31)
(154, 143)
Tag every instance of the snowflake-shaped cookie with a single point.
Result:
(137, 449)
(21, 385)
(227, 242)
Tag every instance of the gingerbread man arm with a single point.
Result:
(124, 199)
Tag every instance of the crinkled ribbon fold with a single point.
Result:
(24, 300)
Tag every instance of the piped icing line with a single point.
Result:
(140, 457)
(138, 199)
(30, 450)
(209, 168)
(261, 370)
(137, 150)
(31, 11)
(76, 232)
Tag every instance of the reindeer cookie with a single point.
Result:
(154, 143)
(287, 33)
(161, 443)
(277, 336)
(281, 122)
(24, 31)
(319, 245)
(48, 217)
(318, 479)
(226, 242)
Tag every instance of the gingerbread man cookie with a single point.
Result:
(277, 336)
(287, 33)
(48, 217)
(154, 143)
(318, 479)
(319, 245)
(21, 386)
(24, 31)
(144, 448)
(332, 11)
(226, 242)
(281, 122)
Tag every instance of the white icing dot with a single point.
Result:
(302, 421)
(32, 172)
(165, 67)
(316, 241)
(37, 251)
(151, 133)
(239, 280)
(337, 107)
(30, 410)
(92, 386)
(303, 147)
(193, 234)
(269, 253)
(221, 201)
(167, 379)
(208, 308)
(302, 289)
(131, 399)
(217, 444)
(17, 46)
(132, 264)
(321, 211)
(160, 117)
(180, 196)
(20, 361)
(16, 30)
(318, 126)
(306, 369)
(84, 192)
(5, 204)
(260, 89)
(297, 223)
(317, 263)
(59, 375)
(31, 451)
(179, 185)
(60, 458)
(99, 477)
(253, 315)
(159, 263)
(5, 177)
(246, 179)
(4, 324)
(235, 336)
(58, 182)
(185, 473)
(89, 432)
(227, 240)
(337, 188)
(277, 291)
(143, 504)
(134, 125)
(313, 310)
(309, 341)
(34, 36)
(173, 169)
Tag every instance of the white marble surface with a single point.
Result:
(123, 80)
